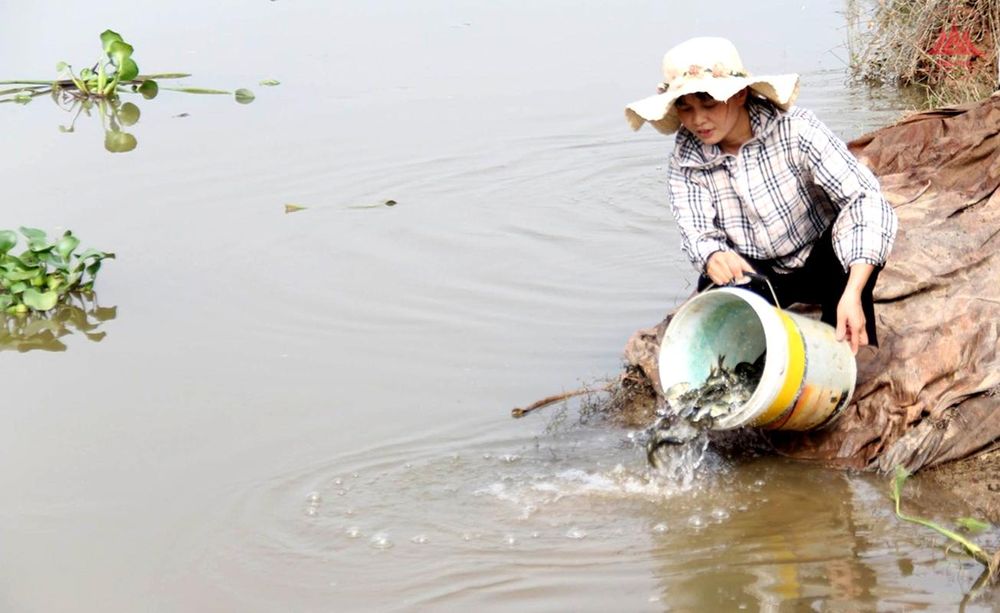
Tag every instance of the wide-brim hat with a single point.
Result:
(711, 65)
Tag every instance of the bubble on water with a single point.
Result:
(353, 532)
(487, 456)
(312, 510)
(355, 475)
(510, 458)
(661, 528)
(654, 599)
(743, 507)
(535, 534)
(695, 521)
(467, 536)
(420, 539)
(408, 465)
(314, 498)
(509, 540)
(349, 512)
(576, 533)
(758, 483)
(720, 514)
(341, 492)
(380, 540)
(338, 481)
(454, 457)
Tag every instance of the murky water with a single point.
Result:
(310, 411)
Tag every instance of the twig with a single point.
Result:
(544, 402)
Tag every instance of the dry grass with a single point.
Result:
(892, 41)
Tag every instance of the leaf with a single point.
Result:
(244, 96)
(119, 142)
(270, 82)
(197, 90)
(149, 89)
(66, 245)
(22, 98)
(61, 66)
(108, 37)
(5, 301)
(40, 301)
(163, 75)
(972, 524)
(33, 233)
(293, 208)
(119, 52)
(128, 70)
(7, 241)
(128, 114)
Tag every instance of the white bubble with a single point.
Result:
(408, 465)
(353, 532)
(535, 534)
(380, 540)
(349, 512)
(511, 458)
(487, 456)
(720, 514)
(696, 521)
(467, 536)
(661, 528)
(355, 475)
(759, 483)
(341, 492)
(420, 539)
(338, 481)
(312, 510)
(314, 498)
(509, 540)
(576, 533)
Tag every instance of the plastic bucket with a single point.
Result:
(808, 376)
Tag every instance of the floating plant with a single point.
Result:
(101, 86)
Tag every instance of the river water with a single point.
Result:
(309, 411)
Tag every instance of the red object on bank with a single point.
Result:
(954, 42)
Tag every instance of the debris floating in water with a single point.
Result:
(689, 411)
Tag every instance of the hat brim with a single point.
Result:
(659, 111)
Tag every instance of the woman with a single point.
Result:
(757, 185)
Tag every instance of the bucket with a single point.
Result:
(808, 376)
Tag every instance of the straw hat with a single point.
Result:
(710, 65)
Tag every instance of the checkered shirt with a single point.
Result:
(778, 194)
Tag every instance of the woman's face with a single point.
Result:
(710, 120)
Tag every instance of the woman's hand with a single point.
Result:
(726, 266)
(850, 315)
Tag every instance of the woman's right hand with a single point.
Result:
(725, 267)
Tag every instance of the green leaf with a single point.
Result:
(244, 96)
(61, 66)
(5, 301)
(22, 275)
(972, 524)
(149, 89)
(109, 37)
(164, 75)
(40, 301)
(18, 287)
(66, 245)
(33, 233)
(119, 142)
(270, 82)
(7, 241)
(93, 268)
(128, 70)
(197, 90)
(128, 114)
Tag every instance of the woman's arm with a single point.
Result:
(850, 315)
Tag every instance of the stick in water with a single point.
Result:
(518, 412)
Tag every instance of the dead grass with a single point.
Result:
(893, 41)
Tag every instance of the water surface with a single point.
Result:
(310, 411)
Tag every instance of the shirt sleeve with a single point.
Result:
(865, 227)
(694, 212)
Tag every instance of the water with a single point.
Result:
(310, 411)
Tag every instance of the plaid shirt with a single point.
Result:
(778, 194)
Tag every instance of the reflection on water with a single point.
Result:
(34, 331)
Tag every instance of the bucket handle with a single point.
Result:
(755, 276)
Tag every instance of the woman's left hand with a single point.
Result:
(850, 315)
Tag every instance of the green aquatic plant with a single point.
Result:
(45, 330)
(116, 72)
(991, 562)
(46, 272)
